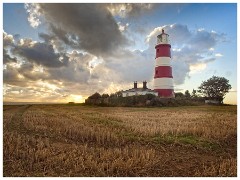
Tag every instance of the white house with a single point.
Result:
(138, 91)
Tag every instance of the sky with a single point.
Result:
(66, 52)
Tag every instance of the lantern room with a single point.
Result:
(163, 38)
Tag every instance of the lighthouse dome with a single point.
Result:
(163, 38)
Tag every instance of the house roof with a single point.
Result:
(138, 90)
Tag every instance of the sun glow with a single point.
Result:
(76, 98)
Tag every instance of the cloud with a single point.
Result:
(180, 34)
(96, 32)
(218, 55)
(58, 45)
(38, 92)
(197, 67)
(122, 27)
(77, 70)
(11, 76)
(40, 53)
(189, 48)
(33, 14)
(8, 40)
(7, 58)
(33, 72)
(129, 9)
(82, 52)
(202, 39)
(40, 68)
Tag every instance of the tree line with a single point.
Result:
(215, 88)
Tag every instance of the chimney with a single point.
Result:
(144, 84)
(135, 84)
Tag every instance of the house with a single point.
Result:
(135, 91)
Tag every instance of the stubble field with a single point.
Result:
(74, 140)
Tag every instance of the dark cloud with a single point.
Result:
(203, 40)
(29, 71)
(8, 42)
(46, 37)
(58, 45)
(11, 76)
(141, 8)
(92, 24)
(68, 39)
(77, 70)
(41, 54)
(72, 73)
(7, 58)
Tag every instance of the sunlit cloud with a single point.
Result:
(33, 11)
(122, 27)
(218, 55)
(128, 9)
(199, 67)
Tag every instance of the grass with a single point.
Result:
(76, 140)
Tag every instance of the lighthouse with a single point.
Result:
(163, 79)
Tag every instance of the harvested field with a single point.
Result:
(74, 140)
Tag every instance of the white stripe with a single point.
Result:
(163, 83)
(163, 61)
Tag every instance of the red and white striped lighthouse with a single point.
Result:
(163, 79)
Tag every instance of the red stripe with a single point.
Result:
(163, 71)
(167, 93)
(163, 50)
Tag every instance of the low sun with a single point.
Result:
(77, 98)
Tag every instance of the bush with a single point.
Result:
(142, 100)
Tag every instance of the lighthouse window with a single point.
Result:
(156, 71)
(157, 50)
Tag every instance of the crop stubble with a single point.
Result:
(62, 140)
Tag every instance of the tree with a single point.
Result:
(119, 93)
(215, 88)
(95, 96)
(194, 93)
(179, 95)
(187, 94)
(112, 95)
(105, 95)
